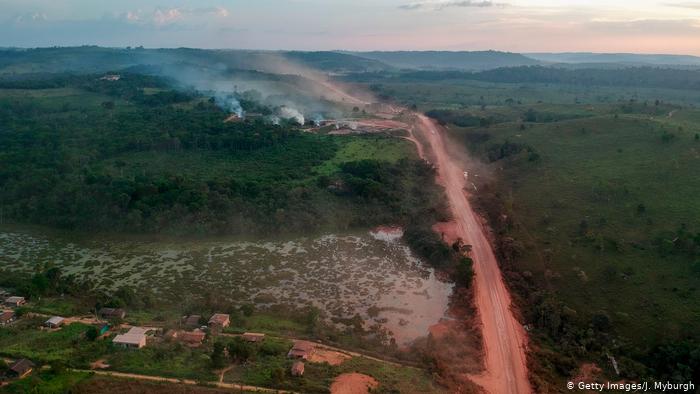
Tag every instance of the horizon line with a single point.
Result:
(531, 52)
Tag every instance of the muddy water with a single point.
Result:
(373, 275)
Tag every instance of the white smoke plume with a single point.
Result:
(228, 102)
(291, 113)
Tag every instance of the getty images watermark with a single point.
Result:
(632, 387)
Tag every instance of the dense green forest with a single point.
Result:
(650, 77)
(134, 155)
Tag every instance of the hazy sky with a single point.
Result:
(643, 26)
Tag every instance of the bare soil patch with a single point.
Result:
(353, 383)
(328, 356)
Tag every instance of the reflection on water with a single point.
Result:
(373, 275)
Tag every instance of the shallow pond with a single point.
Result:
(371, 275)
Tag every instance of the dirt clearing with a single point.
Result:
(328, 356)
(353, 383)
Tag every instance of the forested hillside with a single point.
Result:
(627, 77)
(134, 155)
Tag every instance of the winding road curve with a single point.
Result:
(504, 338)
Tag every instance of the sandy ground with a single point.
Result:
(328, 356)
(353, 383)
(588, 373)
(449, 231)
(503, 337)
(382, 123)
(99, 364)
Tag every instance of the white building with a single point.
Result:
(134, 339)
(54, 322)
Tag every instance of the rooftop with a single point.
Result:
(304, 346)
(195, 336)
(55, 320)
(6, 315)
(135, 336)
(219, 318)
(21, 366)
(253, 336)
(191, 320)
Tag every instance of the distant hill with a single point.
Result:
(337, 61)
(90, 59)
(617, 58)
(444, 60)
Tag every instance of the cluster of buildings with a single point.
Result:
(22, 367)
(301, 351)
(192, 332)
(8, 316)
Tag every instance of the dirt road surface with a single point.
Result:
(504, 338)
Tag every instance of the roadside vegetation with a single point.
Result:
(592, 195)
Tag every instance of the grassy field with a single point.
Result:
(318, 377)
(595, 206)
(173, 361)
(108, 385)
(457, 94)
(369, 147)
(26, 339)
(48, 382)
(599, 171)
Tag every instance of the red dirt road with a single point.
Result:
(504, 338)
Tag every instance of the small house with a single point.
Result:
(135, 338)
(54, 322)
(301, 349)
(253, 337)
(112, 313)
(21, 368)
(15, 301)
(191, 321)
(192, 338)
(298, 368)
(7, 317)
(219, 320)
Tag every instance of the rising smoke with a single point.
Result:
(229, 103)
(291, 113)
(293, 92)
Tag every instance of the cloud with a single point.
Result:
(133, 16)
(30, 18)
(441, 5)
(165, 17)
(161, 17)
(687, 4)
(216, 11)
